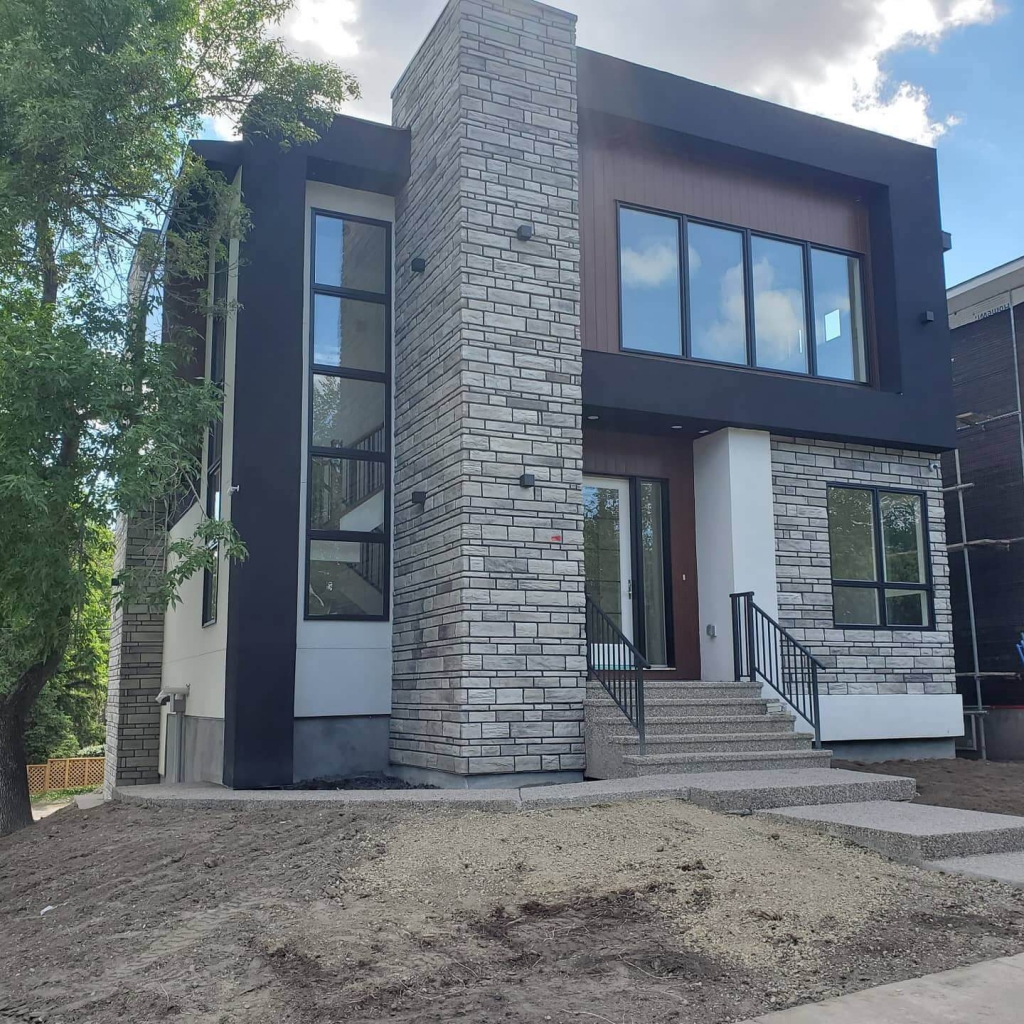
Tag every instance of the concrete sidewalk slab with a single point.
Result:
(986, 993)
(722, 791)
(912, 832)
(1003, 867)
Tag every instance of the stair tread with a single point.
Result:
(733, 755)
(616, 716)
(712, 737)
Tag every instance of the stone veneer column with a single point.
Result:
(490, 667)
(136, 653)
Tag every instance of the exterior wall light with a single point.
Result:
(927, 317)
(419, 497)
(527, 480)
(419, 264)
(524, 232)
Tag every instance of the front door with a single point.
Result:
(608, 548)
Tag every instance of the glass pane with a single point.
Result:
(851, 534)
(718, 306)
(348, 413)
(350, 254)
(902, 538)
(346, 578)
(652, 553)
(348, 334)
(855, 606)
(906, 607)
(347, 494)
(779, 320)
(213, 493)
(602, 526)
(838, 316)
(649, 269)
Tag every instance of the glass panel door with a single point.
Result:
(607, 548)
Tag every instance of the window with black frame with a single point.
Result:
(347, 563)
(720, 293)
(215, 435)
(881, 576)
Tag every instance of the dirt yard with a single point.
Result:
(642, 913)
(996, 786)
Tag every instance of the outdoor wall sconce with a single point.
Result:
(524, 232)
(419, 497)
(419, 264)
(527, 480)
(927, 317)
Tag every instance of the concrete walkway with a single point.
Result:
(721, 791)
(987, 993)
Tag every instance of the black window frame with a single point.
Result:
(682, 221)
(879, 584)
(353, 454)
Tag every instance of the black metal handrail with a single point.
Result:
(614, 662)
(765, 652)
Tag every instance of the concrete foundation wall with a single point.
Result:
(328, 748)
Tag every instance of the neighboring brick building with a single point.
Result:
(572, 342)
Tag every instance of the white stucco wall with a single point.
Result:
(341, 668)
(735, 532)
(195, 655)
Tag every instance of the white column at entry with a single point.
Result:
(735, 527)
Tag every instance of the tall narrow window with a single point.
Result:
(649, 270)
(348, 528)
(215, 437)
(880, 573)
(780, 311)
(838, 316)
(718, 301)
(652, 534)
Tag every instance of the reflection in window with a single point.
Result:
(718, 307)
(602, 552)
(346, 495)
(652, 570)
(651, 306)
(347, 579)
(350, 254)
(878, 584)
(838, 316)
(780, 324)
(347, 333)
(348, 413)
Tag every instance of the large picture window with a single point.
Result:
(348, 507)
(725, 294)
(879, 553)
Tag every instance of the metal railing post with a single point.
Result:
(751, 639)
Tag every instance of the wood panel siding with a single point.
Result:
(645, 170)
(608, 453)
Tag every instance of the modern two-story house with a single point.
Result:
(579, 374)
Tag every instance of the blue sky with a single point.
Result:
(938, 72)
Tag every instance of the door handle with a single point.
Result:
(629, 589)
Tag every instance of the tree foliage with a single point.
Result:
(97, 101)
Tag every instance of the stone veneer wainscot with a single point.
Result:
(858, 661)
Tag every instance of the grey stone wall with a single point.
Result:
(136, 653)
(859, 661)
(489, 662)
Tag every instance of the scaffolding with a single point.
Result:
(1000, 304)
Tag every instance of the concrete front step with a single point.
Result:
(661, 707)
(913, 832)
(739, 760)
(715, 743)
(699, 725)
(683, 688)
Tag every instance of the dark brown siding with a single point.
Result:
(990, 461)
(640, 171)
(612, 454)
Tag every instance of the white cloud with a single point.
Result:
(649, 267)
(823, 56)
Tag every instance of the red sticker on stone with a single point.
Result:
(556, 536)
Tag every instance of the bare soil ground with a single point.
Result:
(648, 912)
(995, 786)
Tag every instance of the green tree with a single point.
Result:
(97, 101)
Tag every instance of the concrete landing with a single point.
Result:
(913, 832)
(1003, 867)
(721, 791)
(986, 993)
